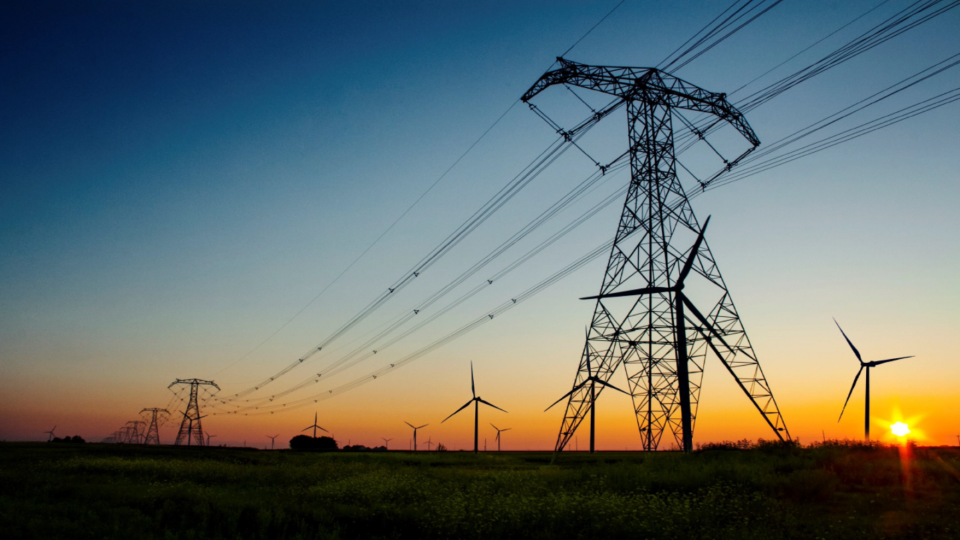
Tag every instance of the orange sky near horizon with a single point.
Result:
(378, 409)
(212, 206)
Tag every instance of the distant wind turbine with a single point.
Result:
(415, 428)
(386, 443)
(209, 436)
(50, 438)
(274, 438)
(314, 426)
(476, 411)
(498, 434)
(429, 443)
(867, 366)
(594, 381)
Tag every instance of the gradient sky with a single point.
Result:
(178, 179)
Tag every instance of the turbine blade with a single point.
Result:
(302, 430)
(855, 351)
(490, 404)
(508, 429)
(850, 393)
(608, 385)
(631, 292)
(421, 427)
(473, 387)
(321, 429)
(575, 388)
(878, 362)
(495, 427)
(693, 254)
(409, 424)
(467, 404)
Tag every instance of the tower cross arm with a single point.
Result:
(200, 382)
(649, 84)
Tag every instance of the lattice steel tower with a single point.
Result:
(153, 431)
(646, 317)
(191, 431)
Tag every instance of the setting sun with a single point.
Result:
(900, 429)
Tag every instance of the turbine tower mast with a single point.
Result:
(191, 432)
(642, 319)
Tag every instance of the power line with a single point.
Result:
(377, 240)
(877, 97)
(895, 25)
(808, 47)
(484, 134)
(726, 23)
(593, 27)
(345, 362)
(855, 132)
(469, 327)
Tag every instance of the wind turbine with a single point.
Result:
(209, 436)
(415, 428)
(429, 443)
(273, 439)
(386, 443)
(476, 411)
(50, 438)
(867, 366)
(498, 434)
(314, 426)
(594, 381)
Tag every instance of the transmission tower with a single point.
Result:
(153, 431)
(191, 431)
(643, 318)
(137, 431)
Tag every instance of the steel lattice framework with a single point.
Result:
(643, 319)
(153, 431)
(191, 432)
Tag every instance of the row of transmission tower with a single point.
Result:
(147, 431)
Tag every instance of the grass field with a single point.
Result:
(834, 491)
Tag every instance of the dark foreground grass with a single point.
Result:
(834, 491)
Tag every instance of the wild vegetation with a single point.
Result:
(736, 490)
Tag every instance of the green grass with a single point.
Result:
(833, 491)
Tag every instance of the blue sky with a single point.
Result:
(178, 180)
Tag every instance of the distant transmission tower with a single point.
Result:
(136, 430)
(153, 431)
(191, 431)
(644, 319)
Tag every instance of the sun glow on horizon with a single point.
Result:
(900, 429)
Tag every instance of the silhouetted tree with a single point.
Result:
(68, 439)
(319, 444)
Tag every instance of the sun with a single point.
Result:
(900, 429)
